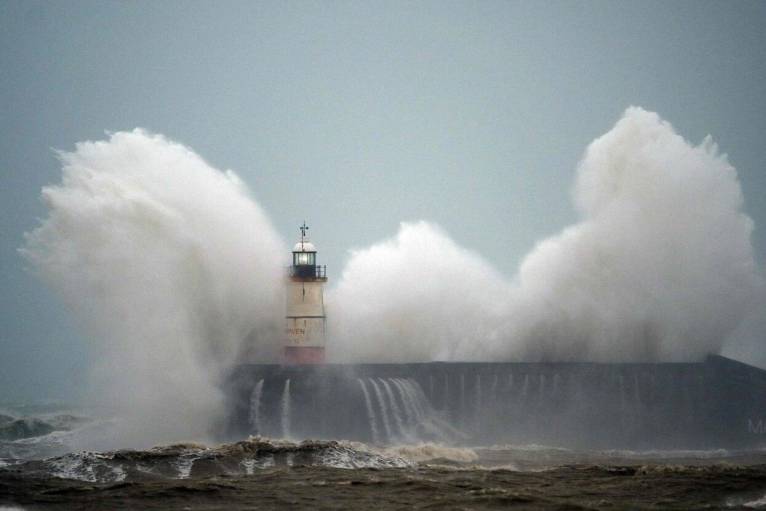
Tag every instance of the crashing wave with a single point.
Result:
(432, 453)
(61, 434)
(17, 428)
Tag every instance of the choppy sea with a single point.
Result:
(41, 467)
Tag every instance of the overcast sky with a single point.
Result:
(358, 115)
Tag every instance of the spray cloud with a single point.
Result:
(658, 268)
(169, 265)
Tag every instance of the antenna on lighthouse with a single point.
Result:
(303, 228)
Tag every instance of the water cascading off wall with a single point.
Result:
(370, 412)
(286, 410)
(255, 408)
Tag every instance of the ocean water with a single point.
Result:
(41, 468)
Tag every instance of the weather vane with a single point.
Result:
(303, 229)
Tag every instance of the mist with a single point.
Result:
(659, 267)
(416, 297)
(169, 266)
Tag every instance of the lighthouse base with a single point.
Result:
(303, 355)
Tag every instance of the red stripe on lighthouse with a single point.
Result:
(303, 355)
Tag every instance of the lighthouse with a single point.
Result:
(305, 316)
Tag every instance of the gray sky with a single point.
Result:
(356, 116)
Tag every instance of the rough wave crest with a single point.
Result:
(183, 461)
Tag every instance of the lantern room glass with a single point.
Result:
(304, 258)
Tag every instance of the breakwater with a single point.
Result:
(714, 403)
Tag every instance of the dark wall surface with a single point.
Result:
(716, 403)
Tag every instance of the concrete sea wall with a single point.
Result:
(715, 403)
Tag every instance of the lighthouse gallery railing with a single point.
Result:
(318, 271)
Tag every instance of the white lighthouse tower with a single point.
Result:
(305, 318)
